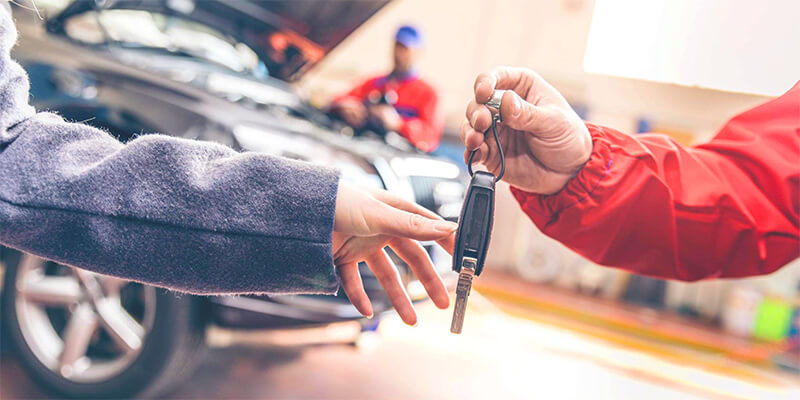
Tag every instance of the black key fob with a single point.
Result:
(475, 224)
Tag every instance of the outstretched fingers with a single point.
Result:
(417, 259)
(354, 288)
(387, 276)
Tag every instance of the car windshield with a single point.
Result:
(148, 30)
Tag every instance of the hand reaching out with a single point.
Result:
(369, 220)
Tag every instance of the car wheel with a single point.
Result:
(80, 334)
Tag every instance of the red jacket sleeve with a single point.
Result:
(425, 130)
(358, 93)
(727, 208)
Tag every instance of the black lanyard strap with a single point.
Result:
(493, 128)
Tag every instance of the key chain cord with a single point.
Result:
(495, 120)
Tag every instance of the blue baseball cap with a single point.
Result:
(409, 36)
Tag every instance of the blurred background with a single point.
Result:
(542, 321)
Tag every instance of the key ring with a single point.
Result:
(493, 102)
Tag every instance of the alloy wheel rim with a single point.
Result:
(84, 327)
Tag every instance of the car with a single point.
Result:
(209, 70)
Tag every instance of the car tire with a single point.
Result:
(170, 349)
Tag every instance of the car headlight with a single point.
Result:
(429, 167)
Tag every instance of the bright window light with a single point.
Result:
(733, 45)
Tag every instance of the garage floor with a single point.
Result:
(499, 356)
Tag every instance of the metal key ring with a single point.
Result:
(493, 102)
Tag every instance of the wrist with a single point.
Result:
(344, 196)
(576, 187)
(583, 149)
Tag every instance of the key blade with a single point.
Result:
(460, 309)
(462, 293)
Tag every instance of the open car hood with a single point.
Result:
(288, 36)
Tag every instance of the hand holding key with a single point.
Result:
(544, 140)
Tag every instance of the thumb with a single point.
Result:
(396, 222)
(522, 115)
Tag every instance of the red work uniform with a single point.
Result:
(724, 209)
(416, 104)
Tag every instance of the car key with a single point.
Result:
(472, 240)
(475, 225)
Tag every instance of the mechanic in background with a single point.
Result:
(398, 102)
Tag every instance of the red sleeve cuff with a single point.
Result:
(579, 189)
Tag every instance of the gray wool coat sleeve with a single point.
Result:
(186, 215)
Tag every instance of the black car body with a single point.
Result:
(132, 87)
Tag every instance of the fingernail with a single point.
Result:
(478, 89)
(445, 226)
(370, 316)
(516, 107)
(416, 324)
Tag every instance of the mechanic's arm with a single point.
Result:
(357, 94)
(350, 106)
(728, 208)
(194, 216)
(425, 130)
